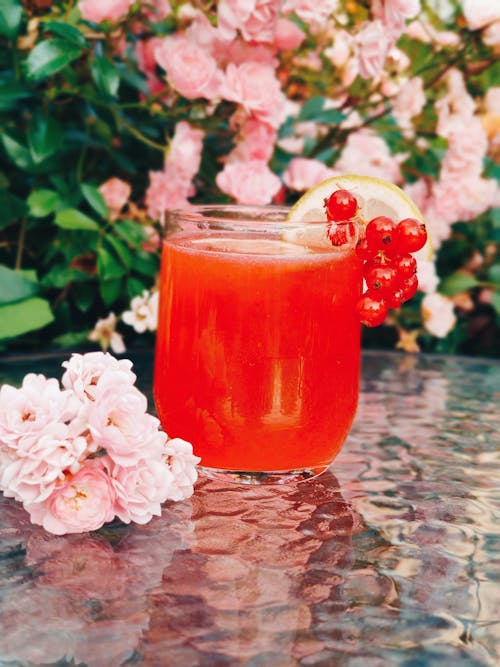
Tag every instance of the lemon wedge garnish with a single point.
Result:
(374, 195)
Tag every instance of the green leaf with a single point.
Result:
(44, 137)
(108, 266)
(12, 92)
(330, 117)
(135, 287)
(49, 57)
(456, 283)
(130, 231)
(11, 15)
(494, 274)
(110, 290)
(84, 295)
(42, 202)
(12, 208)
(67, 31)
(19, 318)
(71, 339)
(146, 264)
(311, 108)
(72, 218)
(14, 286)
(95, 199)
(17, 152)
(105, 76)
(495, 302)
(120, 250)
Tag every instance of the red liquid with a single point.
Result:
(257, 356)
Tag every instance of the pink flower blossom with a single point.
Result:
(341, 49)
(191, 70)
(256, 88)
(104, 333)
(143, 313)
(313, 12)
(97, 11)
(438, 314)
(116, 194)
(491, 35)
(141, 489)
(393, 14)
(157, 10)
(367, 154)
(38, 465)
(480, 13)
(428, 279)
(256, 142)
(249, 182)
(184, 156)
(288, 35)
(82, 502)
(409, 101)
(255, 19)
(26, 412)
(373, 46)
(179, 457)
(165, 192)
(83, 372)
(305, 173)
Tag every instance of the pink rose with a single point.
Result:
(140, 490)
(249, 182)
(182, 462)
(184, 155)
(82, 502)
(305, 173)
(288, 36)
(409, 101)
(313, 12)
(373, 47)
(256, 142)
(480, 13)
(83, 372)
(393, 14)
(165, 192)
(97, 11)
(27, 411)
(116, 194)
(255, 19)
(118, 422)
(40, 464)
(256, 88)
(367, 154)
(438, 314)
(191, 70)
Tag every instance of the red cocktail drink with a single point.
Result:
(258, 343)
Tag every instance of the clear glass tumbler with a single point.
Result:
(258, 342)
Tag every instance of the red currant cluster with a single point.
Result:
(389, 269)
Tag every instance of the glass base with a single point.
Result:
(262, 477)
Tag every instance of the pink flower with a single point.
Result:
(409, 101)
(116, 194)
(143, 313)
(26, 412)
(288, 36)
(304, 173)
(182, 462)
(373, 47)
(97, 11)
(38, 465)
(313, 12)
(104, 333)
(256, 88)
(438, 314)
(118, 422)
(191, 70)
(249, 182)
(145, 50)
(157, 10)
(480, 13)
(83, 502)
(83, 372)
(256, 142)
(141, 489)
(184, 155)
(367, 154)
(393, 14)
(428, 279)
(255, 19)
(165, 192)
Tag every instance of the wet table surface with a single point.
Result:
(389, 558)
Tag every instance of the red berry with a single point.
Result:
(341, 233)
(341, 205)
(406, 266)
(381, 279)
(379, 232)
(395, 299)
(409, 287)
(410, 236)
(372, 310)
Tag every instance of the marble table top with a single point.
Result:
(389, 558)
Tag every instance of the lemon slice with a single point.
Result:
(375, 197)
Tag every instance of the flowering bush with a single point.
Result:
(114, 111)
(71, 455)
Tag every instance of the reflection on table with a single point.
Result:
(387, 559)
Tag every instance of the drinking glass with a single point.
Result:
(258, 342)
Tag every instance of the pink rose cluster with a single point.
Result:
(78, 456)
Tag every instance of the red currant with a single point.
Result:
(410, 236)
(371, 309)
(341, 233)
(405, 265)
(395, 299)
(409, 287)
(379, 232)
(381, 279)
(341, 205)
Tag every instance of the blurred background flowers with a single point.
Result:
(114, 111)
